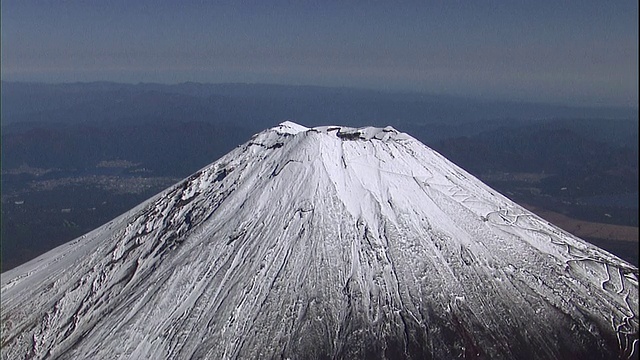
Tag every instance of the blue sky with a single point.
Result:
(578, 52)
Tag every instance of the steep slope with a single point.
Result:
(328, 242)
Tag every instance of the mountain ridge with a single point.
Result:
(329, 242)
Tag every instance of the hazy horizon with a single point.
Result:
(581, 54)
(355, 88)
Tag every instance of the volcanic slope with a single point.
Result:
(324, 243)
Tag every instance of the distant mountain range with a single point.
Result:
(258, 104)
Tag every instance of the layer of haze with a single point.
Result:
(580, 53)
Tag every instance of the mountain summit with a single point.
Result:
(324, 243)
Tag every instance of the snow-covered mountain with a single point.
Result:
(324, 243)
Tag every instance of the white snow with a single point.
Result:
(289, 127)
(327, 241)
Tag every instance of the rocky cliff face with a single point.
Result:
(324, 243)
